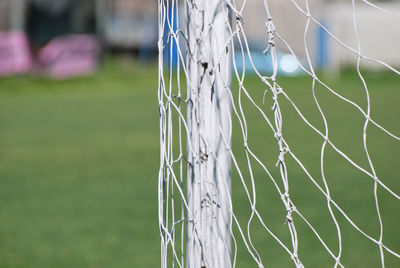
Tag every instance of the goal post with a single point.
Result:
(208, 116)
(263, 161)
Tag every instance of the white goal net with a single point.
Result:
(269, 156)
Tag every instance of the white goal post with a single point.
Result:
(214, 80)
(209, 130)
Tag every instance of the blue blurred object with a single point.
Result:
(322, 47)
(287, 63)
(170, 45)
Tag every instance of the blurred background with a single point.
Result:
(79, 122)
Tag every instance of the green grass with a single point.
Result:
(350, 188)
(79, 162)
(78, 170)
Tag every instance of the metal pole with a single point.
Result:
(17, 16)
(209, 114)
(101, 16)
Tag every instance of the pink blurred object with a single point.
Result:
(70, 55)
(15, 56)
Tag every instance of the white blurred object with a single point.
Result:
(378, 32)
(289, 64)
(128, 23)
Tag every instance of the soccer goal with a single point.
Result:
(279, 133)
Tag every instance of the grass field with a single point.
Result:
(79, 162)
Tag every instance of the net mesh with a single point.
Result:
(272, 179)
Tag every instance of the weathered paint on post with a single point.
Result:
(209, 120)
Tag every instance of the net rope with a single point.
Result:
(174, 212)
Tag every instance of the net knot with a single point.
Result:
(245, 146)
(271, 32)
(278, 90)
(239, 19)
(270, 27)
(178, 96)
(164, 230)
(192, 220)
(284, 196)
(264, 79)
(278, 135)
(282, 152)
(288, 219)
